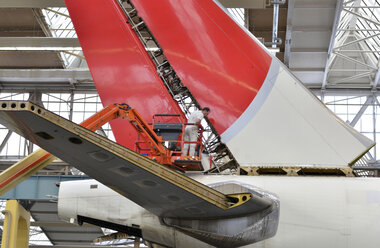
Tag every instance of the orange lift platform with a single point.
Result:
(161, 140)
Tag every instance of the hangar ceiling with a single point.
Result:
(18, 23)
(341, 38)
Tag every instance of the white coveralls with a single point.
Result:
(191, 133)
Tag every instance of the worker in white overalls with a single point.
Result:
(191, 131)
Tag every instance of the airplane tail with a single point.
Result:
(263, 112)
(265, 115)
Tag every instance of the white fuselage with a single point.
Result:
(315, 212)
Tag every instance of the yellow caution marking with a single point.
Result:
(239, 199)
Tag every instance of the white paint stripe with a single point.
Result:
(256, 104)
(264, 91)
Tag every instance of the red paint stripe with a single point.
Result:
(26, 169)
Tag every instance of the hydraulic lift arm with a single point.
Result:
(124, 111)
(37, 160)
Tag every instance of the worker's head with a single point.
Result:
(206, 111)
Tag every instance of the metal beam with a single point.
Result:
(56, 168)
(338, 11)
(363, 7)
(72, 246)
(354, 60)
(57, 12)
(53, 224)
(296, 69)
(356, 41)
(361, 111)
(5, 140)
(376, 167)
(344, 91)
(377, 77)
(36, 97)
(358, 29)
(247, 4)
(349, 1)
(315, 5)
(46, 80)
(275, 39)
(363, 17)
(309, 28)
(40, 18)
(351, 78)
(349, 70)
(44, 75)
(359, 51)
(39, 188)
(308, 50)
(39, 44)
(45, 87)
(31, 3)
(289, 30)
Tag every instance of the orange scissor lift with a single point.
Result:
(162, 140)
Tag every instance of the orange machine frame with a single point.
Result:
(157, 151)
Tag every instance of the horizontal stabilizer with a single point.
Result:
(286, 124)
(153, 186)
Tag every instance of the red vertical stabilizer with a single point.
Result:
(213, 56)
(121, 68)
